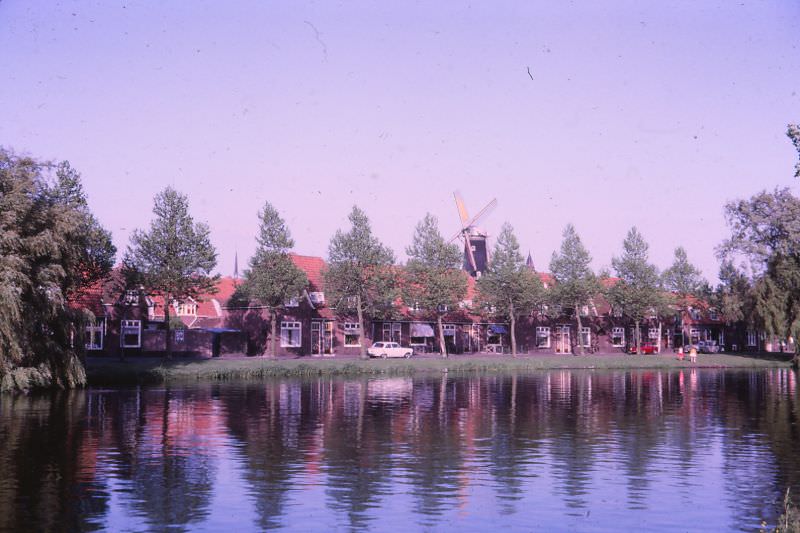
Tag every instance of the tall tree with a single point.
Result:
(508, 285)
(433, 275)
(360, 274)
(51, 248)
(684, 281)
(174, 258)
(638, 291)
(777, 298)
(575, 284)
(766, 230)
(273, 278)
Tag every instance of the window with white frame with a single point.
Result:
(317, 297)
(449, 330)
(542, 337)
(131, 297)
(694, 335)
(441, 308)
(713, 315)
(291, 334)
(391, 332)
(586, 337)
(352, 334)
(616, 311)
(414, 307)
(652, 334)
(585, 310)
(294, 301)
(618, 337)
(752, 339)
(186, 309)
(130, 333)
(694, 313)
(180, 335)
(95, 332)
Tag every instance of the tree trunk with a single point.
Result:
(580, 326)
(442, 344)
(362, 342)
(513, 329)
(166, 322)
(637, 336)
(273, 324)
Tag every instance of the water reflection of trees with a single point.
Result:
(430, 442)
(47, 463)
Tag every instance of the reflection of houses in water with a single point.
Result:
(389, 390)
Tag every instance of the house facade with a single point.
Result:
(128, 322)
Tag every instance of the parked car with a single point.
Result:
(389, 349)
(647, 348)
(708, 347)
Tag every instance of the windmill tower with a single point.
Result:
(476, 252)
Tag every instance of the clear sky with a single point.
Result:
(651, 114)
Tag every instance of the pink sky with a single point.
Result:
(651, 114)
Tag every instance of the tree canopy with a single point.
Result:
(360, 273)
(734, 295)
(434, 279)
(174, 257)
(508, 285)
(51, 248)
(762, 226)
(273, 278)
(793, 132)
(682, 277)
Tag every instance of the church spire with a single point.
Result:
(529, 262)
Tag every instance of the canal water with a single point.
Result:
(682, 450)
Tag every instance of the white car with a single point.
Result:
(389, 349)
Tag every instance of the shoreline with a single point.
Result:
(108, 371)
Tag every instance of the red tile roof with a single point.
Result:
(313, 268)
(90, 298)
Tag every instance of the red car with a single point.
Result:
(648, 348)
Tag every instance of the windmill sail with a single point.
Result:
(476, 254)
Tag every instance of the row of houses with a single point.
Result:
(129, 322)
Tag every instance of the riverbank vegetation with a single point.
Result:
(155, 370)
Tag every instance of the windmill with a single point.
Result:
(476, 254)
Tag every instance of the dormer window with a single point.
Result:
(131, 297)
(713, 315)
(185, 309)
(292, 302)
(414, 307)
(441, 308)
(694, 313)
(317, 297)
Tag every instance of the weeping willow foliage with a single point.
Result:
(51, 248)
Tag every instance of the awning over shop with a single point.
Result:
(421, 330)
(497, 329)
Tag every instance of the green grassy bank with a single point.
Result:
(152, 370)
